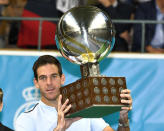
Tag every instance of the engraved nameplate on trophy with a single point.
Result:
(85, 35)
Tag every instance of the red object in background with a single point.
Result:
(28, 34)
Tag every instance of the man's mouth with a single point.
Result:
(50, 89)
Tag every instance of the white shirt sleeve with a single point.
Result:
(24, 123)
(98, 124)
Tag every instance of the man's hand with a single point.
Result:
(64, 123)
(127, 100)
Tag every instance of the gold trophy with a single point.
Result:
(85, 35)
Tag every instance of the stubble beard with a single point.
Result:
(48, 98)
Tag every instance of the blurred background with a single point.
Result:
(27, 30)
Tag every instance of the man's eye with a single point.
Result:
(54, 76)
(42, 77)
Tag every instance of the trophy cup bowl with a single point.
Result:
(85, 35)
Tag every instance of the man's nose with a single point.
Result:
(49, 80)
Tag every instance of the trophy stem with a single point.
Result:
(90, 69)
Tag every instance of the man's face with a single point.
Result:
(49, 82)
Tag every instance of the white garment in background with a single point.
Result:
(65, 5)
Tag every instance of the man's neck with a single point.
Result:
(52, 103)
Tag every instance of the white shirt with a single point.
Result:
(158, 39)
(44, 118)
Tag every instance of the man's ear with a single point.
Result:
(62, 79)
(35, 83)
(1, 106)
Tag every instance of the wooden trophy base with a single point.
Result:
(94, 97)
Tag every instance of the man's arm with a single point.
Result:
(123, 121)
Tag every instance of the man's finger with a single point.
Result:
(127, 96)
(126, 108)
(67, 109)
(129, 102)
(64, 105)
(59, 101)
(125, 91)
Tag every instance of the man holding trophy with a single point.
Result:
(85, 35)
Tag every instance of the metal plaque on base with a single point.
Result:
(85, 35)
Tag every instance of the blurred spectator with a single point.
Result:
(14, 9)
(119, 10)
(9, 29)
(154, 40)
(141, 1)
(2, 127)
(137, 2)
(3, 3)
(134, 1)
(65, 5)
(28, 35)
(126, 1)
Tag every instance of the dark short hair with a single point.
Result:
(1, 95)
(43, 60)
